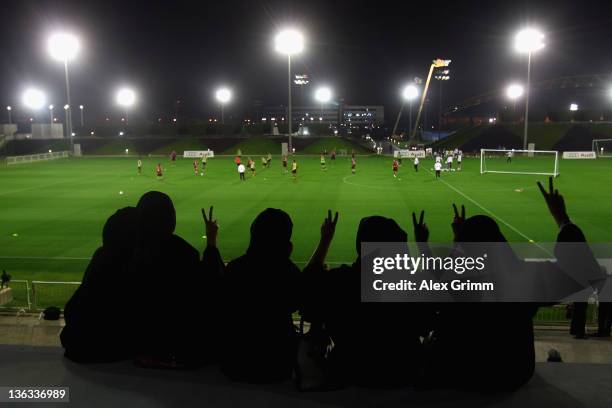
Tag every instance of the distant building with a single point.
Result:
(334, 114)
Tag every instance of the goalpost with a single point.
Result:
(507, 161)
(602, 147)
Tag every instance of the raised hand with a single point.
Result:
(328, 228)
(555, 202)
(458, 220)
(211, 227)
(421, 232)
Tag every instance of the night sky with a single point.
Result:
(365, 50)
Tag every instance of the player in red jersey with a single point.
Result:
(333, 154)
(395, 167)
(173, 156)
(195, 167)
(158, 171)
(353, 165)
(237, 160)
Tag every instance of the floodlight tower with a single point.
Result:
(437, 63)
(289, 42)
(64, 47)
(323, 95)
(527, 41)
(8, 111)
(126, 98)
(409, 94)
(223, 96)
(81, 107)
(51, 113)
(441, 75)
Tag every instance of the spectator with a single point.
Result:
(375, 344)
(172, 296)
(261, 291)
(95, 331)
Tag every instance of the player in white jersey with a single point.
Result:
(449, 162)
(416, 164)
(459, 157)
(438, 168)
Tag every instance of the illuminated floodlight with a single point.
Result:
(66, 107)
(410, 92)
(34, 99)
(223, 95)
(289, 42)
(529, 40)
(126, 97)
(515, 91)
(63, 46)
(573, 107)
(81, 107)
(323, 94)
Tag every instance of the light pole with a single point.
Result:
(64, 47)
(514, 92)
(223, 96)
(125, 98)
(528, 40)
(409, 94)
(8, 111)
(289, 42)
(51, 113)
(323, 95)
(81, 107)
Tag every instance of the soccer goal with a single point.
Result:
(538, 162)
(602, 147)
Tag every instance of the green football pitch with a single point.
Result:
(52, 213)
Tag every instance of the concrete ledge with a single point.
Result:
(122, 384)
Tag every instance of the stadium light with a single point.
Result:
(126, 98)
(514, 91)
(223, 96)
(323, 95)
(8, 112)
(409, 94)
(573, 107)
(289, 42)
(34, 99)
(528, 41)
(64, 47)
(81, 107)
(51, 113)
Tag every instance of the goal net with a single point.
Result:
(539, 162)
(602, 147)
(30, 158)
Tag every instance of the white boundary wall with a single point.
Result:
(30, 158)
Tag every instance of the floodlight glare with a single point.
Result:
(289, 42)
(223, 95)
(126, 97)
(50, 107)
(410, 92)
(529, 40)
(63, 46)
(514, 91)
(34, 99)
(323, 94)
(573, 107)
(9, 108)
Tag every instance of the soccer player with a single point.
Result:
(416, 164)
(173, 156)
(263, 161)
(449, 162)
(294, 169)
(237, 160)
(269, 161)
(158, 171)
(509, 157)
(139, 164)
(438, 158)
(323, 165)
(285, 163)
(353, 165)
(252, 167)
(204, 160)
(459, 157)
(438, 168)
(241, 170)
(195, 167)
(333, 155)
(395, 167)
